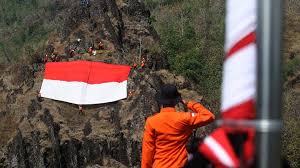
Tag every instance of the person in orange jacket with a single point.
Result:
(143, 62)
(166, 133)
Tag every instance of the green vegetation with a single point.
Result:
(192, 35)
(23, 27)
(192, 38)
(291, 67)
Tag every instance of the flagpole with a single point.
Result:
(268, 145)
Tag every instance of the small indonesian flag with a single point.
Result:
(239, 73)
(238, 87)
(84, 82)
(218, 149)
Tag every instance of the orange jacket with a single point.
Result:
(167, 133)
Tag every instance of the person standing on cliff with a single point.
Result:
(167, 132)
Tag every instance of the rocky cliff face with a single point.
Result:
(38, 133)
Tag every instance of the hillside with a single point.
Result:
(39, 132)
(205, 19)
(291, 97)
(182, 42)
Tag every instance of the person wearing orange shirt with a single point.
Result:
(167, 132)
(143, 62)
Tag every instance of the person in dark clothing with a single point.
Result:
(195, 158)
(101, 45)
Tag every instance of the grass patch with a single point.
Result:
(24, 23)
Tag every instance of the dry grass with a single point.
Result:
(292, 35)
(291, 128)
(7, 128)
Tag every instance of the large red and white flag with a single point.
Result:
(239, 82)
(85, 82)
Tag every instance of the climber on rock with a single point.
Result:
(143, 62)
(167, 132)
(101, 45)
(57, 58)
(130, 93)
(53, 57)
(94, 52)
(134, 66)
(80, 109)
(72, 53)
(46, 58)
(39, 96)
(90, 50)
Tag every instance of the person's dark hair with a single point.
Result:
(198, 160)
(169, 105)
(168, 96)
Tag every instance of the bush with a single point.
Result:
(183, 42)
(151, 4)
(291, 67)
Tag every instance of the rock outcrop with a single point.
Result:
(38, 132)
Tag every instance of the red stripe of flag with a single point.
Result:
(217, 157)
(245, 110)
(250, 38)
(86, 71)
